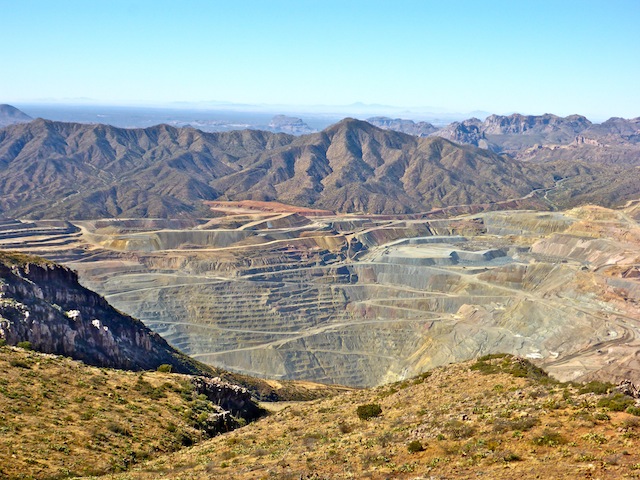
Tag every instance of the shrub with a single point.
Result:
(457, 429)
(616, 402)
(3, 342)
(24, 345)
(521, 424)
(511, 457)
(597, 387)
(550, 439)
(633, 411)
(415, 446)
(368, 411)
(345, 427)
(19, 363)
(164, 368)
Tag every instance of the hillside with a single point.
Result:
(499, 417)
(62, 418)
(355, 167)
(66, 170)
(77, 171)
(10, 115)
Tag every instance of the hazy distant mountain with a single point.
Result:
(418, 129)
(468, 131)
(65, 170)
(616, 141)
(291, 125)
(510, 134)
(540, 138)
(10, 115)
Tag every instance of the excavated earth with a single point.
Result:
(364, 300)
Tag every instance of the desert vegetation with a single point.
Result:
(499, 416)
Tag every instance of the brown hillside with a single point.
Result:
(499, 418)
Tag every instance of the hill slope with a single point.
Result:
(500, 417)
(75, 171)
(61, 418)
(355, 167)
(66, 170)
(10, 115)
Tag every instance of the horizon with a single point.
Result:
(564, 58)
(316, 114)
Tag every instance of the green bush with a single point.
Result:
(3, 342)
(19, 363)
(597, 387)
(633, 411)
(616, 402)
(164, 368)
(368, 411)
(415, 446)
(550, 439)
(25, 345)
(511, 457)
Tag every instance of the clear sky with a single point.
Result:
(536, 56)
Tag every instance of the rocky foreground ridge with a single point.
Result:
(42, 303)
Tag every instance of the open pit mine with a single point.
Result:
(360, 300)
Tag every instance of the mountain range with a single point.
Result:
(10, 115)
(68, 170)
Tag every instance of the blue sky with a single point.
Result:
(560, 56)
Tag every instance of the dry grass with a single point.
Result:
(506, 422)
(61, 418)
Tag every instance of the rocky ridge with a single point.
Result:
(10, 115)
(417, 129)
(43, 304)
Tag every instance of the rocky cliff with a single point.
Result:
(43, 303)
(417, 129)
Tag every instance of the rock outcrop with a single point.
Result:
(417, 129)
(43, 303)
(290, 125)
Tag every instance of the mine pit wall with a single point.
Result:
(304, 312)
(341, 333)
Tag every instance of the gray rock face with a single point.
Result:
(523, 124)
(44, 304)
(233, 399)
(290, 125)
(417, 129)
(468, 131)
